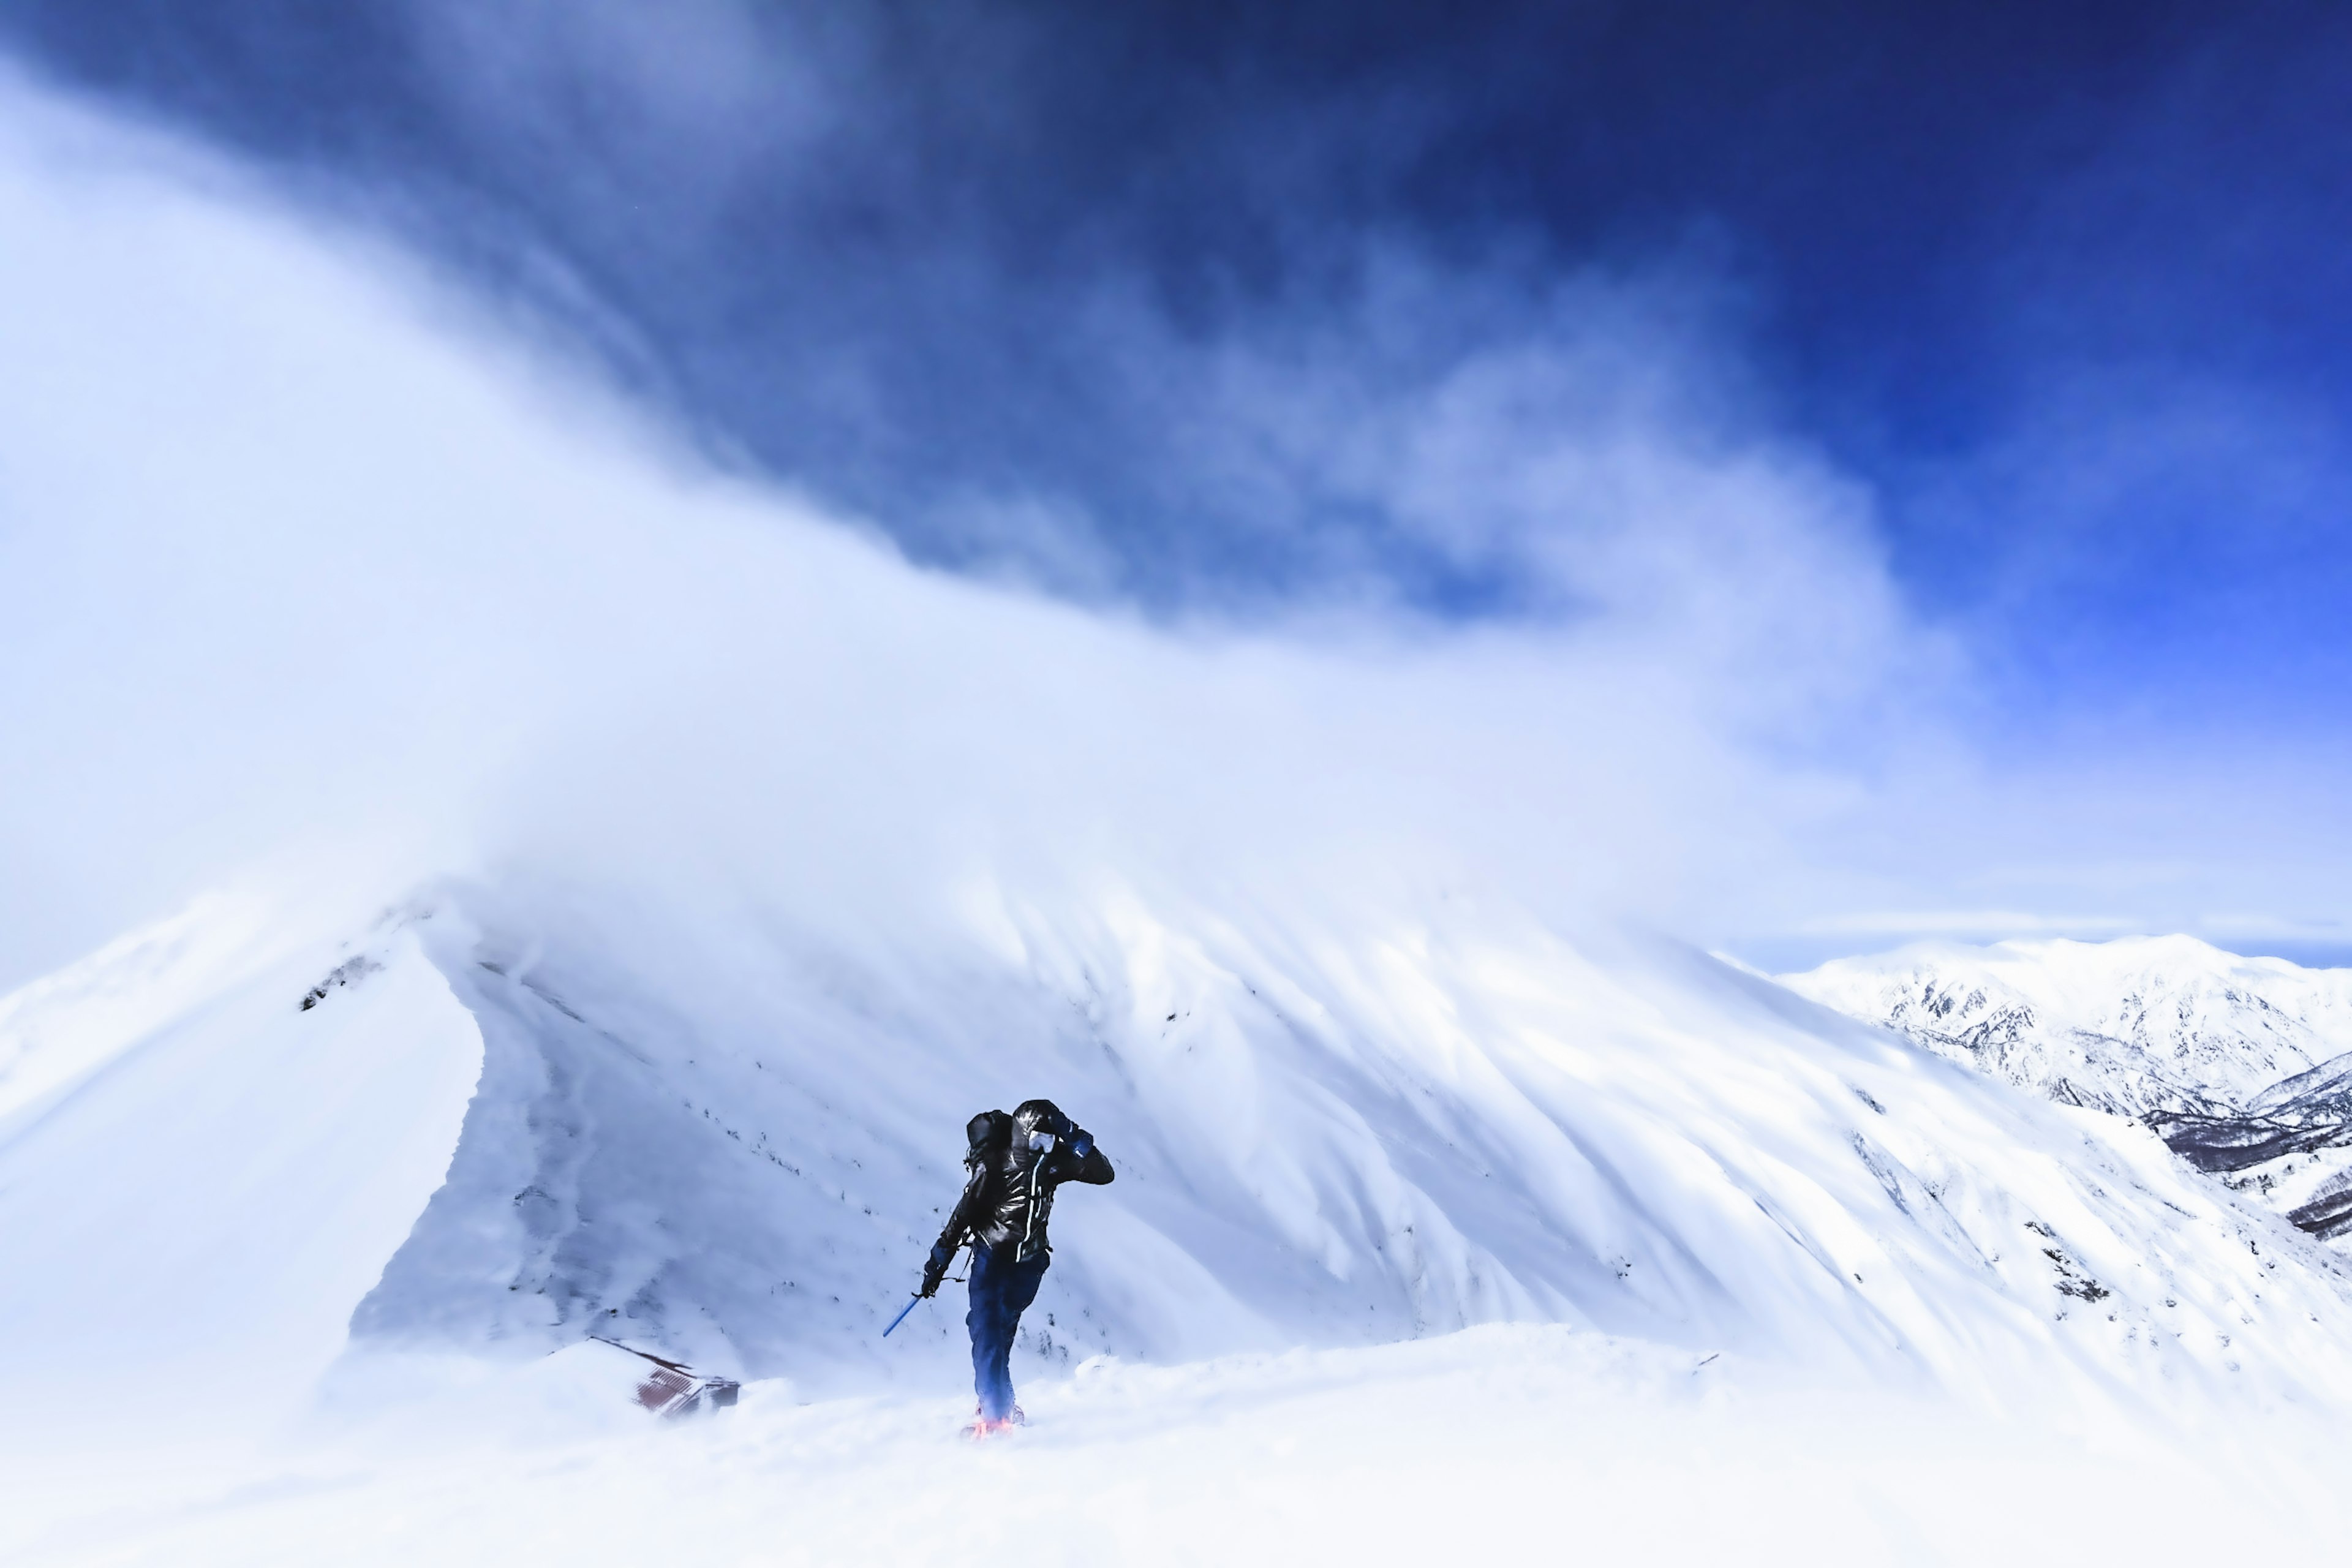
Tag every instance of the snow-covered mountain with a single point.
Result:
(505, 1118)
(2134, 1026)
(2242, 1065)
(696, 869)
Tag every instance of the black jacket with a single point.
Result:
(1009, 1181)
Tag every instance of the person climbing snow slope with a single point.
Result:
(1012, 1165)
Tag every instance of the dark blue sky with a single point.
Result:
(2069, 287)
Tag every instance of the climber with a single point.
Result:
(1012, 1166)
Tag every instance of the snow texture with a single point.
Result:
(2134, 1026)
(2242, 1065)
(1514, 1443)
(531, 1118)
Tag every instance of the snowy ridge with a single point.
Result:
(2135, 1026)
(209, 1174)
(729, 1139)
(56, 1030)
(2242, 1065)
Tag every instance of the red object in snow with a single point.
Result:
(672, 1388)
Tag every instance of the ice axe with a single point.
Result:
(918, 1296)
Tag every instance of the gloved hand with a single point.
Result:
(1082, 1143)
(935, 1269)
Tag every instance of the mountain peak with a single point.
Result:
(2243, 1064)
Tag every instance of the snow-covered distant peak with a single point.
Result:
(2135, 1026)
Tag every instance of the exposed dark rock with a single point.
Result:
(2329, 1214)
(2310, 1112)
(350, 972)
(2236, 1142)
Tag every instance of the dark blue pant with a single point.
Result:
(1001, 1290)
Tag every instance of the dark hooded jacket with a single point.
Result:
(1010, 1170)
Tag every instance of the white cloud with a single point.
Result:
(1875, 924)
(299, 558)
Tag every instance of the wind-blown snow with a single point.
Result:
(1520, 1444)
(728, 865)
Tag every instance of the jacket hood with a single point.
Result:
(1037, 1116)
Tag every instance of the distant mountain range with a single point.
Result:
(2243, 1065)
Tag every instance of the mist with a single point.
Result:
(608, 620)
(312, 562)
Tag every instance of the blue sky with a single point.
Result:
(2053, 300)
(2064, 284)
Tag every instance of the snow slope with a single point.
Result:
(531, 1114)
(1514, 1444)
(199, 1177)
(2243, 1064)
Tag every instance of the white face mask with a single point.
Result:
(1041, 1142)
